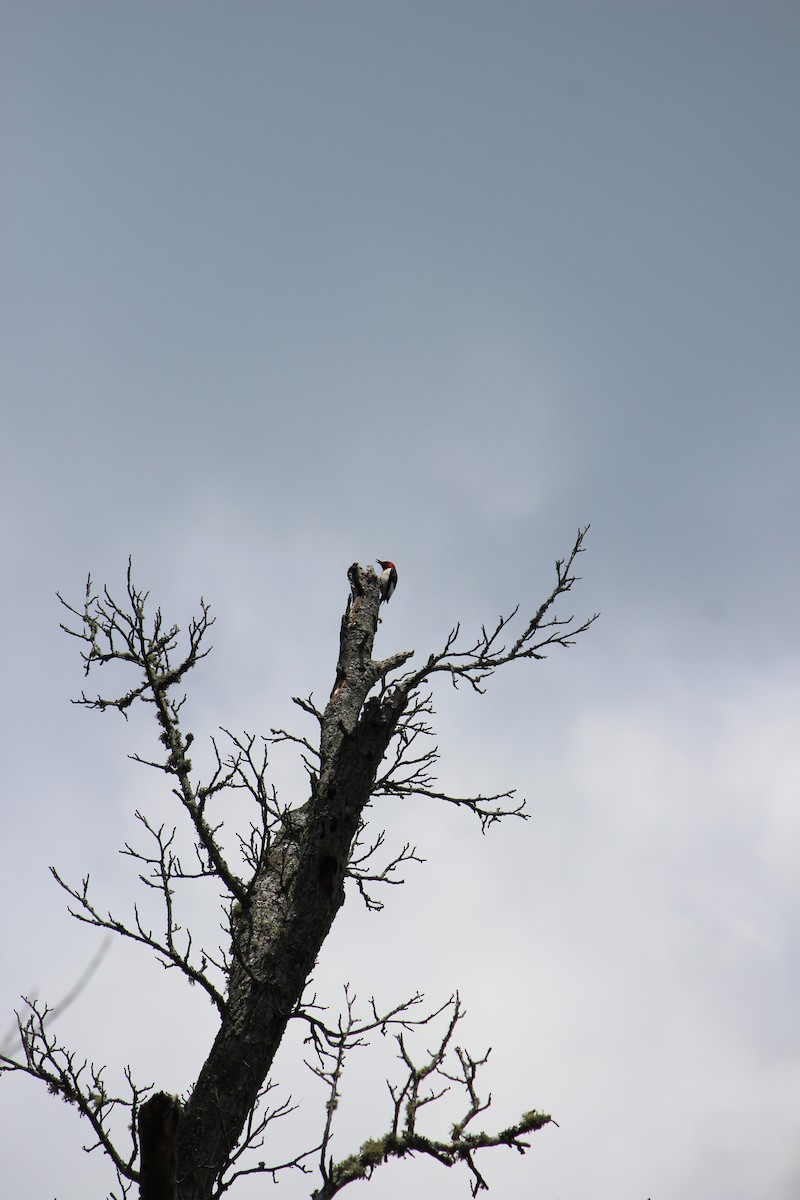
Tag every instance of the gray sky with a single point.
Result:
(289, 285)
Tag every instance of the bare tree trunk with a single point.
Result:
(158, 1127)
(292, 903)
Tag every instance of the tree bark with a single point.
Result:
(158, 1125)
(292, 903)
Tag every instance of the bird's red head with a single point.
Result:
(387, 566)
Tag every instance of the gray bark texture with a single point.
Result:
(292, 903)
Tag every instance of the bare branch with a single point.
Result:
(410, 771)
(476, 663)
(352, 1030)
(78, 1083)
(122, 633)
(487, 808)
(331, 1045)
(355, 869)
(307, 704)
(167, 950)
(260, 1118)
(420, 1089)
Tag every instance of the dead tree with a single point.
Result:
(284, 882)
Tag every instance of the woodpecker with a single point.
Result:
(387, 579)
